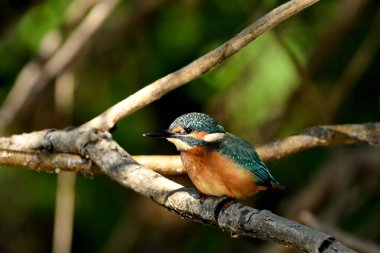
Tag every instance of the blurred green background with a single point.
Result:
(319, 67)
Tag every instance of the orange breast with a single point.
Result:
(216, 175)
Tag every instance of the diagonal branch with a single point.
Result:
(236, 218)
(195, 69)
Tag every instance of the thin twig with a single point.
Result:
(157, 89)
(47, 162)
(368, 133)
(163, 164)
(57, 162)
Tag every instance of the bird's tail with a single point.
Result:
(276, 185)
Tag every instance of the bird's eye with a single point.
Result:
(188, 130)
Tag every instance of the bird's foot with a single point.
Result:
(202, 197)
(226, 202)
(222, 205)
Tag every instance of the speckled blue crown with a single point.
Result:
(198, 122)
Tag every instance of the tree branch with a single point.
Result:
(157, 89)
(20, 151)
(236, 218)
(318, 136)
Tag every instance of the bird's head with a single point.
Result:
(191, 130)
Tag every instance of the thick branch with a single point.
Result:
(157, 89)
(236, 218)
(116, 163)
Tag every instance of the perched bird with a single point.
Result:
(218, 163)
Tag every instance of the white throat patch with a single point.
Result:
(180, 145)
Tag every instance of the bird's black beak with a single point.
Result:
(161, 134)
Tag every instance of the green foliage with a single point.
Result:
(264, 78)
(177, 35)
(37, 23)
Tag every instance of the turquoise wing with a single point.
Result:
(246, 157)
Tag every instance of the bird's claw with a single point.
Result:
(202, 197)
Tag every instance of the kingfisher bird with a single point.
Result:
(217, 162)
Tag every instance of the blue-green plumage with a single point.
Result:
(245, 156)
